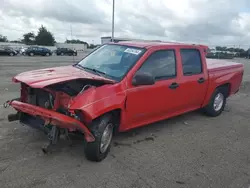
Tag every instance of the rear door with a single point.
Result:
(194, 79)
(41, 51)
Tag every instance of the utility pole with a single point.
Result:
(113, 17)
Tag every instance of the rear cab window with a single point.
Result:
(161, 64)
(191, 62)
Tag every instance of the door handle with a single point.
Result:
(201, 80)
(174, 85)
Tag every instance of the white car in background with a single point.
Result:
(23, 50)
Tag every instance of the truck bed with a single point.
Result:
(219, 64)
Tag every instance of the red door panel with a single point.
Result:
(147, 103)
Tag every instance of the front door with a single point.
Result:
(146, 104)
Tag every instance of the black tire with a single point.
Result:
(92, 149)
(210, 110)
(11, 54)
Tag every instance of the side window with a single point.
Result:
(161, 64)
(191, 61)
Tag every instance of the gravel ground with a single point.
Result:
(191, 150)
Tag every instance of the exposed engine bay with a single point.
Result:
(74, 87)
(54, 97)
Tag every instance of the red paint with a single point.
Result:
(138, 105)
(44, 77)
(55, 118)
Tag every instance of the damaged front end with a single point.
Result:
(47, 108)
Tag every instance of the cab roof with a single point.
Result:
(149, 44)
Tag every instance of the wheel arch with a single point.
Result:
(116, 116)
(225, 88)
(116, 113)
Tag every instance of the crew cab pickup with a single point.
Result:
(121, 86)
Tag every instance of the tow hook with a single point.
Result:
(6, 104)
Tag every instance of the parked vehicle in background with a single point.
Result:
(22, 50)
(65, 51)
(121, 86)
(7, 51)
(31, 51)
(220, 55)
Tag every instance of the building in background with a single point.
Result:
(105, 40)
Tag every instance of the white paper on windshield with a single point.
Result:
(132, 51)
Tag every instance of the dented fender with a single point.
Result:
(97, 108)
(97, 101)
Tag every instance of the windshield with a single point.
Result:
(113, 61)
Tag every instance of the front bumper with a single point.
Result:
(51, 117)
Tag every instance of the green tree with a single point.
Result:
(76, 41)
(3, 38)
(92, 46)
(28, 38)
(221, 48)
(44, 37)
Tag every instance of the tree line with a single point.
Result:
(43, 37)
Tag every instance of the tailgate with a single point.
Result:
(52, 117)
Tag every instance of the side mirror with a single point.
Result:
(143, 78)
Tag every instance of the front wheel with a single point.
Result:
(216, 104)
(102, 129)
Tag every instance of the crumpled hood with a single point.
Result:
(45, 77)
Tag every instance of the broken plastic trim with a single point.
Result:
(55, 118)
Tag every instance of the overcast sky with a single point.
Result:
(202, 21)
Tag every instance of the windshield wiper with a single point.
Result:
(78, 65)
(94, 70)
(98, 72)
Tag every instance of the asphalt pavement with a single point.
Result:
(191, 150)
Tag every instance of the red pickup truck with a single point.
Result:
(121, 86)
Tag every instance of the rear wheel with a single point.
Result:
(11, 54)
(102, 129)
(62, 53)
(47, 54)
(216, 104)
(31, 54)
